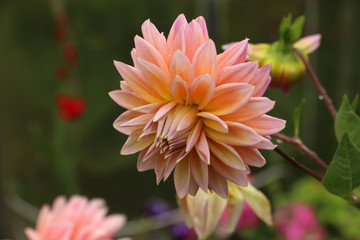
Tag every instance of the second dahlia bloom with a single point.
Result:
(193, 111)
(76, 219)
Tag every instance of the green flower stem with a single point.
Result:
(298, 144)
(317, 83)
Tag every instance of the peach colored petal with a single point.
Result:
(199, 171)
(177, 119)
(234, 175)
(233, 214)
(256, 107)
(159, 169)
(181, 66)
(124, 86)
(182, 177)
(217, 183)
(147, 52)
(214, 122)
(170, 165)
(239, 135)
(233, 55)
(261, 80)
(309, 43)
(149, 108)
(202, 148)
(155, 38)
(177, 27)
(158, 80)
(138, 121)
(266, 125)
(205, 61)
(226, 154)
(164, 110)
(32, 234)
(238, 73)
(194, 38)
(126, 117)
(202, 24)
(251, 156)
(126, 100)
(265, 144)
(133, 145)
(188, 120)
(146, 164)
(180, 90)
(193, 186)
(135, 81)
(194, 136)
(229, 97)
(201, 91)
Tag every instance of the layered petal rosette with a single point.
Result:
(194, 112)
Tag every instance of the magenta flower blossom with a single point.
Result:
(193, 111)
(75, 219)
(298, 222)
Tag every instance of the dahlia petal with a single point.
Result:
(205, 60)
(193, 186)
(170, 165)
(202, 148)
(179, 41)
(251, 156)
(149, 108)
(137, 121)
(234, 175)
(134, 57)
(229, 97)
(235, 54)
(180, 91)
(188, 120)
(194, 136)
(309, 43)
(266, 125)
(214, 122)
(124, 86)
(155, 38)
(181, 66)
(201, 91)
(199, 171)
(158, 80)
(177, 27)
(256, 107)
(182, 178)
(126, 100)
(146, 51)
(135, 81)
(227, 155)
(177, 119)
(194, 38)
(164, 110)
(238, 73)
(144, 164)
(159, 169)
(133, 145)
(258, 202)
(218, 183)
(265, 144)
(112, 223)
(261, 80)
(32, 235)
(238, 135)
(201, 21)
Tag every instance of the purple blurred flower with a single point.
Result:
(156, 206)
(180, 231)
(298, 221)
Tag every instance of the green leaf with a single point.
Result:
(296, 117)
(296, 28)
(343, 174)
(355, 102)
(285, 29)
(348, 122)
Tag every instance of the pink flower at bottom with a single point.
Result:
(75, 219)
(298, 222)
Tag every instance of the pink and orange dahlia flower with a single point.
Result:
(193, 111)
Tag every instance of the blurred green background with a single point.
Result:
(103, 30)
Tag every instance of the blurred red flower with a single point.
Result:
(70, 108)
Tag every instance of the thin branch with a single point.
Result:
(297, 164)
(318, 85)
(298, 144)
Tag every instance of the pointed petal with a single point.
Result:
(193, 186)
(199, 171)
(218, 183)
(251, 156)
(149, 53)
(164, 110)
(266, 125)
(226, 154)
(159, 168)
(201, 91)
(149, 108)
(258, 202)
(201, 21)
(123, 118)
(234, 175)
(180, 91)
(256, 107)
(126, 100)
(182, 177)
(170, 165)
(188, 120)
(233, 55)
(205, 61)
(229, 97)
(156, 78)
(265, 144)
(148, 163)
(124, 86)
(177, 27)
(238, 73)
(214, 122)
(155, 38)
(261, 80)
(309, 43)
(133, 145)
(194, 38)
(193, 136)
(202, 148)
(181, 66)
(138, 121)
